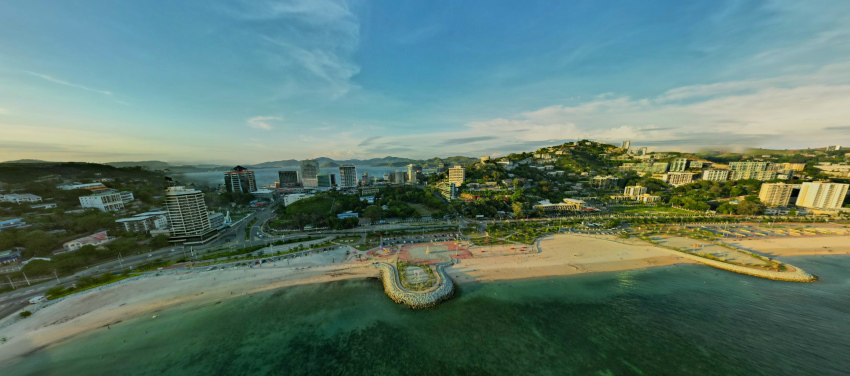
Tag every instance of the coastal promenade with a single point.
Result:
(443, 289)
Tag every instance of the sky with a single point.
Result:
(207, 81)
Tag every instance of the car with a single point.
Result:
(211, 268)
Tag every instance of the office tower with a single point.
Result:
(398, 177)
(679, 165)
(347, 176)
(309, 173)
(240, 179)
(323, 180)
(187, 213)
(776, 194)
(634, 191)
(716, 175)
(822, 195)
(364, 180)
(288, 179)
(413, 171)
(626, 145)
(456, 175)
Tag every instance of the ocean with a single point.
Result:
(674, 320)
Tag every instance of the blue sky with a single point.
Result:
(252, 81)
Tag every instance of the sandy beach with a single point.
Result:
(797, 246)
(561, 255)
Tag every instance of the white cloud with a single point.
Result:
(263, 122)
(66, 83)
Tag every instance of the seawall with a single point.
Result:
(443, 289)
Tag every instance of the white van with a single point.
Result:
(38, 299)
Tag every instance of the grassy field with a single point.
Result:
(422, 209)
(318, 204)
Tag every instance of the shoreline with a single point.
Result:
(561, 255)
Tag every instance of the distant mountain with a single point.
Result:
(26, 161)
(388, 161)
(150, 165)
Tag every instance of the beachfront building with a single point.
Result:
(678, 178)
(716, 175)
(568, 205)
(145, 222)
(187, 213)
(777, 194)
(822, 195)
(310, 173)
(20, 198)
(240, 179)
(456, 175)
(103, 201)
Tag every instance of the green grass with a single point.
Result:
(422, 209)
(647, 210)
(71, 290)
(316, 204)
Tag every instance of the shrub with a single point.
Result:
(25, 314)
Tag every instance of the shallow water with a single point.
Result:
(676, 320)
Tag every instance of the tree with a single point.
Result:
(374, 213)
(518, 209)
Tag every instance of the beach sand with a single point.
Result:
(797, 246)
(563, 254)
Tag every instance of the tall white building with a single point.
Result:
(626, 145)
(187, 213)
(456, 175)
(145, 222)
(413, 171)
(777, 194)
(310, 173)
(347, 176)
(105, 201)
(822, 195)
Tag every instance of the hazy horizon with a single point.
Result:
(226, 81)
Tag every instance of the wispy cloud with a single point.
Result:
(263, 122)
(368, 141)
(66, 83)
(466, 140)
(312, 48)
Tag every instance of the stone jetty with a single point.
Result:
(443, 289)
(797, 275)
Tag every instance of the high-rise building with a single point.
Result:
(822, 195)
(398, 177)
(833, 148)
(187, 213)
(777, 194)
(347, 176)
(752, 170)
(365, 180)
(310, 173)
(456, 175)
(716, 175)
(413, 171)
(288, 179)
(626, 145)
(240, 179)
(634, 191)
(678, 178)
(323, 180)
(679, 165)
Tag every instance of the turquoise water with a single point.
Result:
(677, 320)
